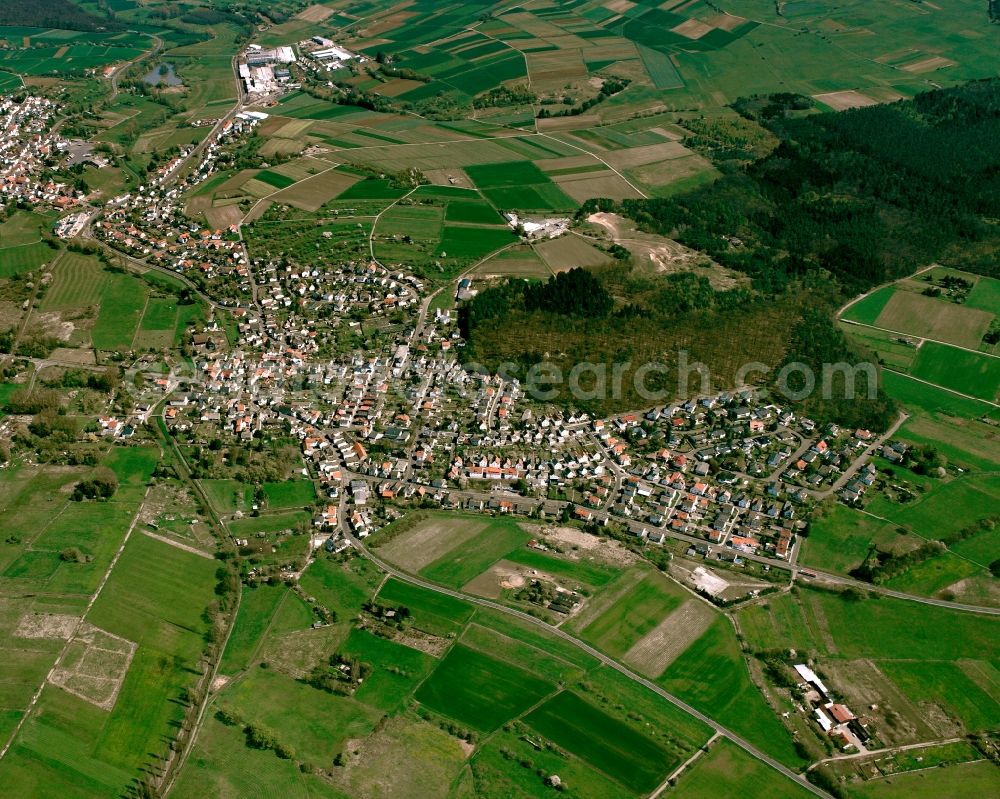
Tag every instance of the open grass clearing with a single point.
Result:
(290, 494)
(314, 723)
(960, 370)
(840, 537)
(962, 781)
(313, 192)
(396, 669)
(655, 651)
(223, 766)
(431, 612)
(257, 607)
(868, 309)
(569, 251)
(518, 262)
(947, 685)
(712, 676)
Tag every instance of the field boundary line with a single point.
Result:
(944, 388)
(925, 538)
(892, 750)
(923, 339)
(290, 186)
(138, 326)
(699, 752)
(177, 544)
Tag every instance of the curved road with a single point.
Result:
(748, 747)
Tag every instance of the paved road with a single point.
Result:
(862, 459)
(878, 589)
(636, 527)
(598, 655)
(157, 46)
(140, 266)
(843, 308)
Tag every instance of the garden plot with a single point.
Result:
(46, 625)
(94, 666)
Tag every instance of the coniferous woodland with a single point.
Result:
(839, 203)
(62, 14)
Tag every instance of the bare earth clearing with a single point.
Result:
(662, 254)
(606, 549)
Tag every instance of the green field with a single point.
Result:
(431, 612)
(948, 685)
(885, 628)
(312, 722)
(457, 568)
(931, 399)
(223, 765)
(479, 691)
(469, 244)
(960, 370)
(712, 676)
(840, 537)
(275, 179)
(937, 574)
(155, 598)
(398, 669)
(946, 506)
(643, 605)
(257, 607)
(472, 212)
(619, 751)
(227, 496)
(867, 310)
(269, 523)
(518, 185)
(290, 494)
(964, 781)
(888, 651)
(342, 588)
(24, 258)
(122, 301)
(985, 295)
(589, 573)
(729, 771)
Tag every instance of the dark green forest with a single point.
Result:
(54, 14)
(865, 195)
(846, 201)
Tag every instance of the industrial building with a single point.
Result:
(258, 57)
